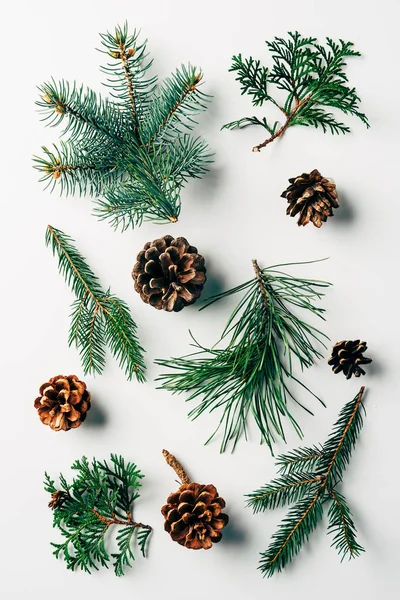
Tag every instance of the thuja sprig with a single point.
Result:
(98, 500)
(133, 151)
(249, 372)
(98, 319)
(311, 77)
(310, 477)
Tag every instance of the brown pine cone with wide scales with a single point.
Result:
(348, 356)
(63, 402)
(193, 516)
(169, 273)
(311, 196)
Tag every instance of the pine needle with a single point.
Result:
(251, 375)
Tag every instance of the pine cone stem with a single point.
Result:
(257, 271)
(177, 467)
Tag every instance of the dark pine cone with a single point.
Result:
(313, 196)
(193, 516)
(63, 402)
(347, 356)
(169, 273)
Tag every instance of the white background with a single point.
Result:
(232, 215)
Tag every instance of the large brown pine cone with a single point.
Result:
(347, 356)
(63, 402)
(193, 516)
(312, 197)
(169, 273)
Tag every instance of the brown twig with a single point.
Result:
(281, 131)
(177, 467)
(114, 521)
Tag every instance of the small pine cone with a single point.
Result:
(169, 273)
(313, 196)
(193, 516)
(347, 356)
(63, 402)
(57, 499)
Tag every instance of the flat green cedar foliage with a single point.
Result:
(97, 504)
(249, 372)
(98, 318)
(134, 150)
(309, 477)
(308, 76)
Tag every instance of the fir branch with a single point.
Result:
(279, 492)
(299, 459)
(70, 168)
(313, 485)
(134, 152)
(88, 508)
(292, 534)
(312, 77)
(98, 319)
(252, 373)
(341, 526)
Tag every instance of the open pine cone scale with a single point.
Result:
(193, 516)
(169, 273)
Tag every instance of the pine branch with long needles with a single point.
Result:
(321, 472)
(133, 151)
(253, 372)
(311, 78)
(99, 499)
(98, 319)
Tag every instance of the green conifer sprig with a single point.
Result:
(309, 75)
(249, 372)
(134, 151)
(99, 499)
(98, 319)
(310, 477)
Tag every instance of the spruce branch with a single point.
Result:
(250, 370)
(310, 489)
(134, 151)
(311, 76)
(98, 319)
(99, 499)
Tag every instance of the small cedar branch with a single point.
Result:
(98, 319)
(98, 500)
(310, 489)
(309, 75)
(134, 151)
(250, 371)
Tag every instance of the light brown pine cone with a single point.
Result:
(312, 197)
(169, 273)
(193, 516)
(63, 402)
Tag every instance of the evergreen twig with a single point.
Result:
(134, 151)
(251, 375)
(98, 318)
(311, 488)
(310, 75)
(99, 499)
